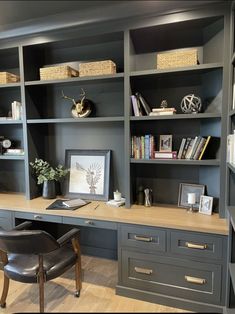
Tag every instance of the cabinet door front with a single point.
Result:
(171, 276)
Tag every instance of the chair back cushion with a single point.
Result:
(27, 242)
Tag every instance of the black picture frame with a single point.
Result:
(89, 174)
(184, 189)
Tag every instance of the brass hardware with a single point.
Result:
(199, 281)
(196, 246)
(143, 270)
(89, 222)
(145, 239)
(37, 217)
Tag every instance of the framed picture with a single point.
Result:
(206, 203)
(165, 143)
(186, 188)
(89, 172)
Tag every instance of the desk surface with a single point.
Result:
(157, 216)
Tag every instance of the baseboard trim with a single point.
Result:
(168, 300)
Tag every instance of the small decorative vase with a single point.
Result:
(48, 190)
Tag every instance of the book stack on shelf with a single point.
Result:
(139, 105)
(162, 111)
(142, 147)
(193, 148)
(16, 108)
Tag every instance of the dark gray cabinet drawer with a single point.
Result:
(6, 220)
(90, 223)
(170, 276)
(39, 217)
(198, 245)
(143, 237)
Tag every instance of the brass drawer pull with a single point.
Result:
(199, 281)
(145, 239)
(89, 222)
(143, 270)
(196, 246)
(37, 217)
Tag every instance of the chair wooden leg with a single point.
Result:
(41, 280)
(4, 292)
(78, 267)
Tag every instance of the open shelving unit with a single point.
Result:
(204, 80)
(48, 129)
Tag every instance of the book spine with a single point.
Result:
(199, 148)
(195, 146)
(191, 148)
(167, 155)
(204, 147)
(147, 144)
(181, 148)
(186, 147)
(135, 106)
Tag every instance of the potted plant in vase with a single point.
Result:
(47, 175)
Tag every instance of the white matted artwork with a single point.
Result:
(205, 206)
(88, 174)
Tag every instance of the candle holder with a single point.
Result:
(191, 202)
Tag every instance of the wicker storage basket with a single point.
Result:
(57, 72)
(97, 68)
(177, 58)
(6, 77)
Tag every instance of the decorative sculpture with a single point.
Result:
(81, 108)
(164, 104)
(191, 104)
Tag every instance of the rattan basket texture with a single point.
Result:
(57, 72)
(6, 77)
(177, 58)
(97, 68)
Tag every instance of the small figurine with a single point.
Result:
(148, 197)
(164, 104)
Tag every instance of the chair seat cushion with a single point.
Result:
(24, 268)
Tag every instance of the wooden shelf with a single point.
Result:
(196, 68)
(178, 116)
(11, 122)
(10, 85)
(77, 79)
(209, 162)
(76, 120)
(12, 157)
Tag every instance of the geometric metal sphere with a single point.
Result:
(191, 104)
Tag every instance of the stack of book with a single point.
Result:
(139, 105)
(14, 151)
(193, 148)
(16, 108)
(142, 147)
(165, 155)
(162, 111)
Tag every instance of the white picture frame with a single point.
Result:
(205, 205)
(165, 143)
(89, 172)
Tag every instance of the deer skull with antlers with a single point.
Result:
(81, 108)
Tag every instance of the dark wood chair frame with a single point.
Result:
(72, 236)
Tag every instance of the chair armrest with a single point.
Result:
(73, 233)
(23, 225)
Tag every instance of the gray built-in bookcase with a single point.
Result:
(47, 128)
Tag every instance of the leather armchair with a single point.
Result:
(35, 256)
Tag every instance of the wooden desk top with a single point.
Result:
(168, 217)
